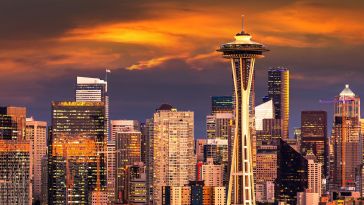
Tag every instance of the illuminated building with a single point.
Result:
(217, 149)
(77, 152)
(93, 90)
(219, 195)
(219, 126)
(15, 172)
(12, 123)
(99, 198)
(36, 132)
(136, 184)
(127, 153)
(111, 170)
(308, 198)
(143, 142)
(271, 131)
(123, 126)
(278, 91)
(222, 104)
(314, 170)
(263, 111)
(265, 172)
(242, 53)
(173, 156)
(292, 176)
(347, 148)
(212, 174)
(314, 136)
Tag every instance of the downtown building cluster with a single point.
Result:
(248, 156)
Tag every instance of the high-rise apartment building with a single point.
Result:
(172, 149)
(314, 173)
(127, 153)
(278, 91)
(77, 151)
(212, 174)
(199, 149)
(292, 176)
(314, 136)
(36, 132)
(93, 90)
(347, 145)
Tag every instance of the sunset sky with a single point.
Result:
(164, 51)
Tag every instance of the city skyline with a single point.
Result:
(41, 63)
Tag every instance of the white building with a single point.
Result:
(263, 111)
(314, 174)
(36, 132)
(173, 149)
(111, 170)
(219, 195)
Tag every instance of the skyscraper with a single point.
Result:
(93, 90)
(172, 149)
(292, 176)
(242, 53)
(15, 172)
(127, 153)
(314, 174)
(111, 170)
(36, 132)
(123, 126)
(12, 123)
(15, 157)
(314, 136)
(222, 104)
(263, 111)
(278, 91)
(347, 148)
(77, 151)
(212, 174)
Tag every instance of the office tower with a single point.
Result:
(217, 149)
(149, 158)
(77, 158)
(123, 126)
(173, 160)
(127, 153)
(219, 126)
(196, 192)
(143, 142)
(222, 104)
(36, 132)
(292, 176)
(44, 179)
(314, 170)
(12, 123)
(347, 148)
(271, 131)
(263, 111)
(242, 53)
(99, 198)
(15, 172)
(278, 91)
(93, 90)
(212, 174)
(136, 184)
(265, 173)
(199, 149)
(111, 170)
(314, 136)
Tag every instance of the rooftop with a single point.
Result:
(347, 92)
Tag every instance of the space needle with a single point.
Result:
(242, 53)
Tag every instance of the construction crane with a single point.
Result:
(344, 101)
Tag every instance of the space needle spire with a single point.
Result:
(242, 54)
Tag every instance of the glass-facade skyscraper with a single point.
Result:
(77, 151)
(278, 91)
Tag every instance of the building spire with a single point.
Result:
(242, 23)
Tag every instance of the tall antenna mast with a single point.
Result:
(242, 23)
